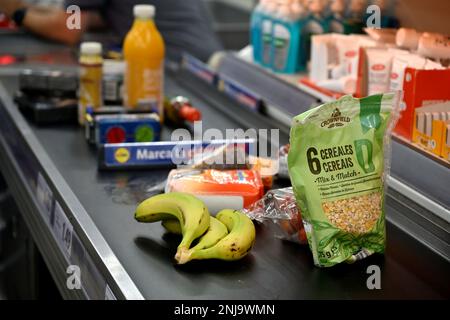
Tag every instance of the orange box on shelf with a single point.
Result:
(421, 88)
(445, 151)
(430, 128)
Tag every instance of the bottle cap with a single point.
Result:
(144, 11)
(93, 48)
(190, 113)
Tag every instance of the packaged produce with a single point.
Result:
(337, 164)
(235, 189)
(222, 157)
(279, 207)
(91, 75)
(234, 156)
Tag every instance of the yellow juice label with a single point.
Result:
(90, 90)
(144, 82)
(144, 77)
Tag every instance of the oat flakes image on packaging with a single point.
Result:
(356, 215)
(337, 163)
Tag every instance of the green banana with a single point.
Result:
(191, 213)
(216, 231)
(233, 246)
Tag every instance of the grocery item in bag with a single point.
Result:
(337, 164)
(278, 206)
(218, 189)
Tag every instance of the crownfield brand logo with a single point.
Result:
(336, 120)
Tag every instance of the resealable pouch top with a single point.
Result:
(338, 163)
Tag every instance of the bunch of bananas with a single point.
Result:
(229, 236)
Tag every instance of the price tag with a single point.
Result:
(63, 230)
(44, 197)
(109, 295)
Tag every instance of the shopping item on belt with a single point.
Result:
(337, 164)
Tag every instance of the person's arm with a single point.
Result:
(51, 22)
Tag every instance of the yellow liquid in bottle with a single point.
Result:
(90, 90)
(144, 76)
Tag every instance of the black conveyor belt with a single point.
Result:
(274, 270)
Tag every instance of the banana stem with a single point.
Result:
(183, 255)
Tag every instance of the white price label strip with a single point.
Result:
(44, 197)
(63, 230)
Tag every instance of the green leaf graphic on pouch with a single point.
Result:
(364, 151)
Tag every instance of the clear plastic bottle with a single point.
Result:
(144, 52)
(257, 17)
(286, 37)
(91, 76)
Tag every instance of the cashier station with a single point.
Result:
(50, 173)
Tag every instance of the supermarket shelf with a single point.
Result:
(421, 194)
(289, 100)
(283, 98)
(135, 260)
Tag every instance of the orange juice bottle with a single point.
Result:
(144, 56)
(91, 74)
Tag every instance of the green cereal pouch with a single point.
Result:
(337, 165)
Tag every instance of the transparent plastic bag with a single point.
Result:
(279, 207)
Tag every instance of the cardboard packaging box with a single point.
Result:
(431, 128)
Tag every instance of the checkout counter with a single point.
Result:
(80, 216)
